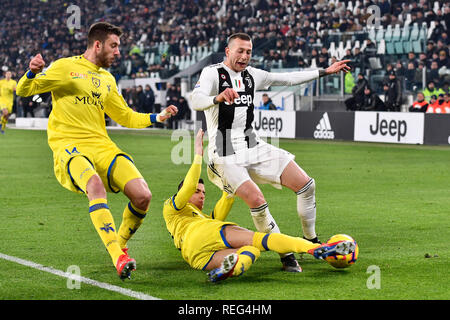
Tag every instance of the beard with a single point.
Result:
(103, 60)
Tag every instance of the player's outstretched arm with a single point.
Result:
(297, 77)
(190, 182)
(336, 68)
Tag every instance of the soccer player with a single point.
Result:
(208, 242)
(239, 159)
(7, 88)
(86, 160)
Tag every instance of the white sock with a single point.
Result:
(264, 222)
(306, 208)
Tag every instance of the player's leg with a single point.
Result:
(4, 119)
(263, 220)
(87, 179)
(126, 176)
(278, 242)
(250, 193)
(231, 262)
(234, 262)
(296, 179)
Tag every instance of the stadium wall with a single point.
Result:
(367, 126)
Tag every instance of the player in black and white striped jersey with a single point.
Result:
(239, 159)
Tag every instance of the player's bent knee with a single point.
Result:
(308, 188)
(255, 200)
(95, 188)
(142, 198)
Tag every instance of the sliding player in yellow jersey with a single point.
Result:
(7, 88)
(85, 158)
(208, 242)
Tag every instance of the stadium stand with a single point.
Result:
(163, 37)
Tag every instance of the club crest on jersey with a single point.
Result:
(96, 82)
(249, 81)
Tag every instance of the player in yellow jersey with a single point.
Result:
(7, 88)
(86, 160)
(208, 242)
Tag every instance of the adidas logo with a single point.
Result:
(323, 129)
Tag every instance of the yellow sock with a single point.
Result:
(281, 243)
(3, 122)
(104, 224)
(247, 256)
(131, 221)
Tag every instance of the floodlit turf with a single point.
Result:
(394, 200)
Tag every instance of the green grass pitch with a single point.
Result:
(393, 199)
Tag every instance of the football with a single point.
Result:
(342, 261)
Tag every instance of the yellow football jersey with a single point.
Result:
(82, 93)
(179, 213)
(7, 88)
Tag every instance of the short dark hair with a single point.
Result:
(239, 35)
(99, 32)
(182, 181)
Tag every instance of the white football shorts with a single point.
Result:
(263, 164)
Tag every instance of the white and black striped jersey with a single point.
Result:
(230, 126)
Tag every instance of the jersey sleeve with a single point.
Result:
(222, 207)
(45, 81)
(181, 198)
(205, 89)
(118, 110)
(265, 79)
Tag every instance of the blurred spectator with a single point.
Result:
(412, 59)
(410, 77)
(443, 59)
(431, 90)
(437, 105)
(28, 106)
(418, 76)
(393, 93)
(184, 112)
(139, 102)
(420, 105)
(433, 74)
(431, 104)
(447, 102)
(267, 103)
(171, 92)
(349, 83)
(354, 103)
(149, 102)
(399, 69)
(371, 101)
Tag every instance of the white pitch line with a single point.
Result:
(71, 276)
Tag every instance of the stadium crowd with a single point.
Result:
(288, 34)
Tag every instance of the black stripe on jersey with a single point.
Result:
(226, 117)
(250, 136)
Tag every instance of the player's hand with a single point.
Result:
(338, 66)
(198, 144)
(37, 63)
(228, 95)
(167, 113)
